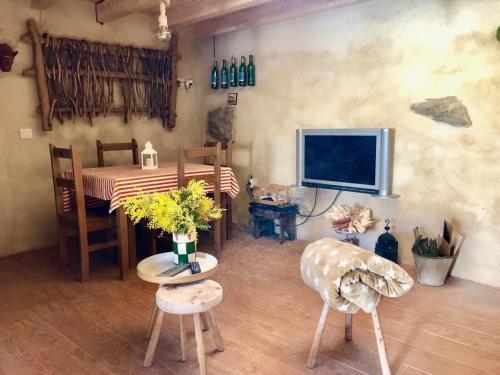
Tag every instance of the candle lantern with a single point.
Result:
(149, 157)
(387, 245)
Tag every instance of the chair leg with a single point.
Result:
(215, 331)
(152, 320)
(217, 238)
(182, 332)
(153, 342)
(382, 352)
(200, 348)
(311, 360)
(348, 327)
(132, 247)
(121, 227)
(63, 250)
(84, 255)
(205, 325)
(229, 218)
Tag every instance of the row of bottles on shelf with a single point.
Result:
(244, 75)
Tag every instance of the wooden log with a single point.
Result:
(41, 78)
(173, 69)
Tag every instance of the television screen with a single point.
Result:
(348, 159)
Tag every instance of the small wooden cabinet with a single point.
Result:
(263, 216)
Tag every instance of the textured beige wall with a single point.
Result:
(27, 220)
(363, 66)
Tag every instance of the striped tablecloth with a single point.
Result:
(114, 184)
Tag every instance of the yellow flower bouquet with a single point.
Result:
(180, 211)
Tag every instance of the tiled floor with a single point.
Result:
(50, 323)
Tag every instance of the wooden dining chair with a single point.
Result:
(80, 220)
(226, 161)
(213, 179)
(132, 146)
(102, 147)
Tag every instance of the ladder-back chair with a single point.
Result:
(227, 161)
(81, 220)
(102, 147)
(213, 179)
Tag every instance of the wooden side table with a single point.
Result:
(263, 216)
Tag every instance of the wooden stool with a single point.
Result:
(263, 216)
(382, 352)
(186, 299)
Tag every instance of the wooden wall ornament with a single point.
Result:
(78, 78)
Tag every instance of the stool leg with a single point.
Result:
(153, 342)
(152, 320)
(215, 332)
(205, 324)
(200, 348)
(311, 360)
(382, 352)
(183, 339)
(348, 327)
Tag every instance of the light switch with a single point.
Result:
(26, 133)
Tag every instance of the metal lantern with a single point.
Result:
(149, 157)
(387, 245)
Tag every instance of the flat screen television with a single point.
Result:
(357, 160)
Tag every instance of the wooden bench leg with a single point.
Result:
(311, 360)
(382, 352)
(183, 339)
(200, 347)
(153, 342)
(215, 332)
(348, 327)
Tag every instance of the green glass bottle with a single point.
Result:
(223, 76)
(215, 76)
(242, 74)
(251, 71)
(233, 75)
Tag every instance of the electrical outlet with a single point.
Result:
(26, 133)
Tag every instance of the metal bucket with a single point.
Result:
(432, 271)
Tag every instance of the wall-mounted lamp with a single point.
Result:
(163, 31)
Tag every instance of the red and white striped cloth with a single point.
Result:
(114, 184)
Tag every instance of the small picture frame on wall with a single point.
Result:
(232, 98)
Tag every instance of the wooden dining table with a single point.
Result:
(113, 185)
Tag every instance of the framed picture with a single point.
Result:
(232, 98)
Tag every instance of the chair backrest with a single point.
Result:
(74, 185)
(102, 147)
(200, 152)
(227, 147)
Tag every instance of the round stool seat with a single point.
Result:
(189, 298)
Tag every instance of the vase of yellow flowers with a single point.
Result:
(181, 212)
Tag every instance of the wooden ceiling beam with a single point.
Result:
(111, 10)
(180, 12)
(42, 4)
(275, 11)
(201, 10)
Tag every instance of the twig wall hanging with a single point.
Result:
(78, 78)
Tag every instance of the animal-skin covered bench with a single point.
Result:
(349, 278)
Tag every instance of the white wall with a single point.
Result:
(363, 66)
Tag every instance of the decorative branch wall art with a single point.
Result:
(78, 79)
